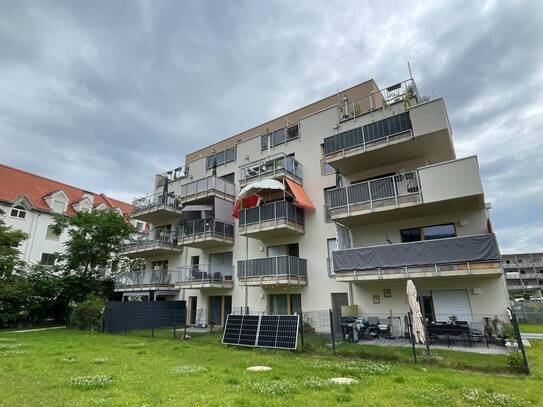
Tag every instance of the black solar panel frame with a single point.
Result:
(264, 335)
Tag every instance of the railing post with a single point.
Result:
(518, 337)
(332, 331)
(277, 270)
(347, 198)
(395, 190)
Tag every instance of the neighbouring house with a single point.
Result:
(29, 202)
(524, 274)
(336, 203)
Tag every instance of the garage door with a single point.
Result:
(449, 303)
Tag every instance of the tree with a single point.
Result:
(94, 238)
(10, 239)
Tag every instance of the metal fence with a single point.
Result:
(478, 342)
(272, 211)
(144, 279)
(287, 266)
(206, 274)
(395, 188)
(157, 199)
(145, 317)
(207, 185)
(206, 227)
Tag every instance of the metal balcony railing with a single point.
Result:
(272, 211)
(148, 244)
(144, 279)
(155, 201)
(205, 274)
(208, 227)
(392, 187)
(405, 92)
(284, 267)
(380, 132)
(211, 184)
(270, 167)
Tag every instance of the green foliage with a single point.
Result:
(94, 238)
(15, 292)
(10, 239)
(514, 360)
(88, 314)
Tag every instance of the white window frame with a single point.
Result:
(51, 235)
(19, 210)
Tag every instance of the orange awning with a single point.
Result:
(299, 194)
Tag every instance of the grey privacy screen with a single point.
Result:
(423, 253)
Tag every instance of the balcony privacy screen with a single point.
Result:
(424, 253)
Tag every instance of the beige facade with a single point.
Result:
(399, 172)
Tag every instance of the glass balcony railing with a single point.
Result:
(205, 275)
(145, 279)
(278, 210)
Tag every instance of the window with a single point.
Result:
(284, 304)
(229, 177)
(50, 234)
(439, 232)
(278, 137)
(48, 259)
(284, 250)
(18, 212)
(427, 233)
(410, 235)
(332, 246)
(221, 157)
(139, 225)
(58, 206)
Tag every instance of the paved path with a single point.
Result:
(36, 329)
(527, 335)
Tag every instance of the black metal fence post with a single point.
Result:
(302, 332)
(174, 323)
(332, 331)
(518, 337)
(411, 336)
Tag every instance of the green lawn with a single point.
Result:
(141, 371)
(531, 328)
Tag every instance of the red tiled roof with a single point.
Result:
(15, 183)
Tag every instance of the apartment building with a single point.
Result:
(336, 203)
(524, 274)
(30, 201)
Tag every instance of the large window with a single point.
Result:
(284, 304)
(332, 246)
(50, 234)
(220, 158)
(428, 233)
(18, 212)
(278, 137)
(48, 259)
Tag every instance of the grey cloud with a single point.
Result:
(105, 94)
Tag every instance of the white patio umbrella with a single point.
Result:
(260, 185)
(416, 314)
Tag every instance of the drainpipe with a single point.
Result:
(33, 229)
(245, 269)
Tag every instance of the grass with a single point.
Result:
(72, 368)
(531, 328)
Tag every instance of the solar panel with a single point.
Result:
(267, 336)
(287, 332)
(268, 331)
(249, 330)
(232, 329)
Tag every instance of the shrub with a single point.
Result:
(88, 314)
(514, 360)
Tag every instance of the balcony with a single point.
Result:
(476, 255)
(202, 276)
(275, 219)
(206, 233)
(392, 135)
(157, 208)
(273, 271)
(445, 187)
(206, 187)
(145, 280)
(149, 248)
(276, 166)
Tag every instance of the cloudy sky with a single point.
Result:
(103, 95)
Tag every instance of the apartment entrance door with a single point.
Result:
(193, 306)
(219, 307)
(338, 300)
